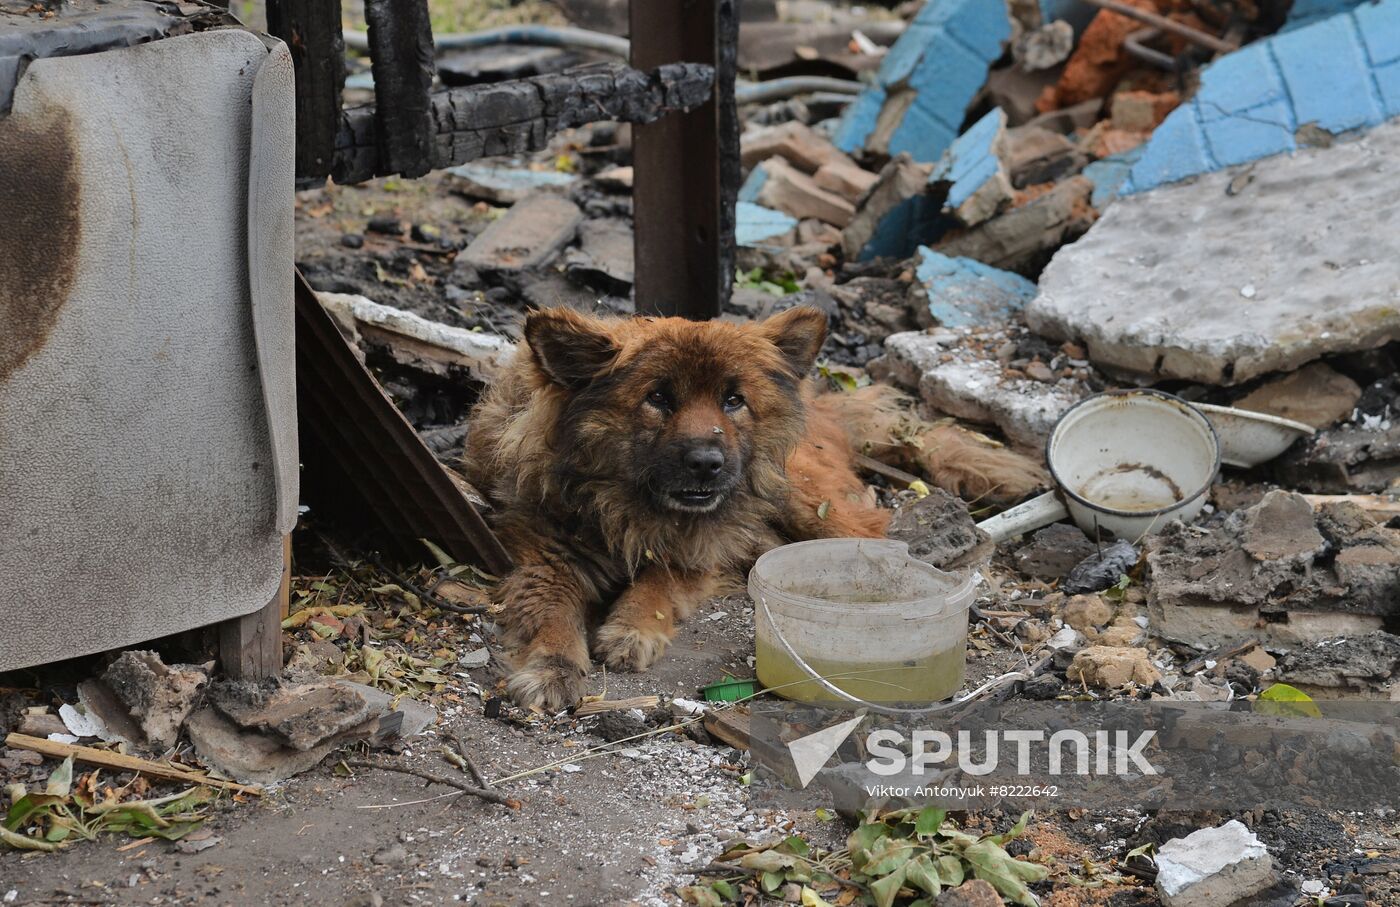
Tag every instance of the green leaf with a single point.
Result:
(921, 873)
(1116, 592)
(885, 890)
(1007, 875)
(442, 557)
(61, 781)
(771, 861)
(1143, 850)
(796, 844)
(888, 855)
(823, 509)
(1016, 830)
(772, 881)
(929, 821)
(23, 842)
(950, 871)
(725, 890)
(862, 839)
(22, 811)
(1286, 701)
(822, 814)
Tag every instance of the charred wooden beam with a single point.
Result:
(685, 227)
(311, 29)
(515, 117)
(401, 59)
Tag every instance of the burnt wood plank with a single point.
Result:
(401, 59)
(685, 226)
(311, 30)
(519, 116)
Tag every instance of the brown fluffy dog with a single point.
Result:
(638, 463)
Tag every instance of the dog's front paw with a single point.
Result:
(624, 647)
(551, 682)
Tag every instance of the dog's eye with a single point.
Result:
(659, 399)
(733, 402)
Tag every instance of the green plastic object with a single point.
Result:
(730, 690)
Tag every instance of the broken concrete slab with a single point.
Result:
(604, 257)
(961, 292)
(895, 216)
(98, 699)
(158, 696)
(247, 756)
(756, 225)
(1310, 275)
(505, 185)
(777, 184)
(953, 374)
(1277, 573)
(938, 529)
(926, 80)
(1357, 667)
(1112, 667)
(527, 236)
(970, 176)
(302, 716)
(1022, 238)
(1034, 155)
(408, 716)
(1357, 457)
(845, 179)
(796, 142)
(1213, 867)
(1315, 395)
(1339, 74)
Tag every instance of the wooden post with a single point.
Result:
(311, 30)
(401, 50)
(250, 647)
(686, 166)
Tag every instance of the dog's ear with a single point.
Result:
(569, 347)
(798, 333)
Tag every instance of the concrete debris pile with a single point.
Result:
(255, 733)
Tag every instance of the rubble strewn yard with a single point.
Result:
(1003, 210)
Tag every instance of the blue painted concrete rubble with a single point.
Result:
(942, 60)
(1076, 12)
(963, 292)
(971, 160)
(1306, 12)
(1340, 73)
(756, 224)
(1108, 175)
(753, 185)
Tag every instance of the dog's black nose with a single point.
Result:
(704, 462)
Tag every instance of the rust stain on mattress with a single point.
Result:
(39, 190)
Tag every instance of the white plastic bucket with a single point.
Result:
(875, 624)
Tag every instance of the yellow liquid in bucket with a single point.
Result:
(925, 680)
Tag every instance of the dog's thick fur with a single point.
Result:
(587, 447)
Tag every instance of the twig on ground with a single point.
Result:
(472, 769)
(490, 796)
